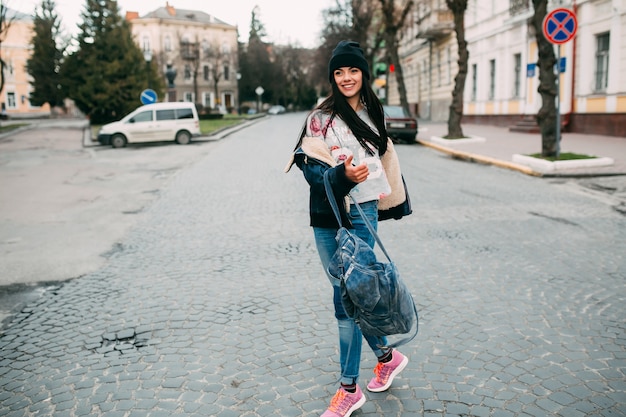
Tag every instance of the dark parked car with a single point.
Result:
(401, 126)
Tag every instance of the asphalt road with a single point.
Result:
(67, 203)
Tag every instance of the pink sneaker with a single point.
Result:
(344, 403)
(386, 372)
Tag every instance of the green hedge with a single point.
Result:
(211, 116)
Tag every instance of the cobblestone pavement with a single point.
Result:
(215, 304)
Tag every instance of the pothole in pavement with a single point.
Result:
(123, 342)
(15, 297)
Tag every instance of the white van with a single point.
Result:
(153, 122)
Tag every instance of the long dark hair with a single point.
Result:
(337, 105)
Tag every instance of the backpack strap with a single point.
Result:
(331, 197)
(335, 207)
(370, 228)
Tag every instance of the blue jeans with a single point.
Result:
(350, 336)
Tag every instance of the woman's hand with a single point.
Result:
(356, 173)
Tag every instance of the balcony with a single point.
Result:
(517, 7)
(189, 51)
(435, 24)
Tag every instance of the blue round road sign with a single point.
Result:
(560, 26)
(148, 96)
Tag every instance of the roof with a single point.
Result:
(170, 13)
(12, 14)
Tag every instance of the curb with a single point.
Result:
(481, 159)
(14, 131)
(226, 131)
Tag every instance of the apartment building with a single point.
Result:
(196, 53)
(502, 81)
(599, 72)
(428, 54)
(16, 49)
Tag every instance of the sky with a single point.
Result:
(285, 21)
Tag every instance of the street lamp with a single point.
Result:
(147, 55)
(239, 93)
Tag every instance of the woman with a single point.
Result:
(346, 136)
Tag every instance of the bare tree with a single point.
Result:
(5, 24)
(458, 8)
(367, 27)
(190, 54)
(393, 21)
(218, 57)
(546, 117)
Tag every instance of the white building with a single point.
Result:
(428, 58)
(502, 79)
(198, 49)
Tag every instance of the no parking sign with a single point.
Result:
(560, 26)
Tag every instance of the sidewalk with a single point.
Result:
(497, 145)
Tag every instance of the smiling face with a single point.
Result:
(349, 80)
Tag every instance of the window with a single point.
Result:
(492, 79)
(144, 116)
(165, 115)
(205, 72)
(189, 97)
(474, 81)
(145, 43)
(167, 43)
(184, 113)
(602, 61)
(187, 75)
(11, 103)
(226, 72)
(517, 75)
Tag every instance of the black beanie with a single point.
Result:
(348, 54)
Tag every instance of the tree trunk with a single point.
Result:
(392, 50)
(546, 117)
(5, 23)
(216, 92)
(456, 107)
(394, 18)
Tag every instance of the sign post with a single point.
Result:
(559, 27)
(259, 92)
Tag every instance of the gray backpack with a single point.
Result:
(373, 294)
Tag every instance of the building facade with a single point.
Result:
(502, 79)
(196, 53)
(428, 54)
(16, 49)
